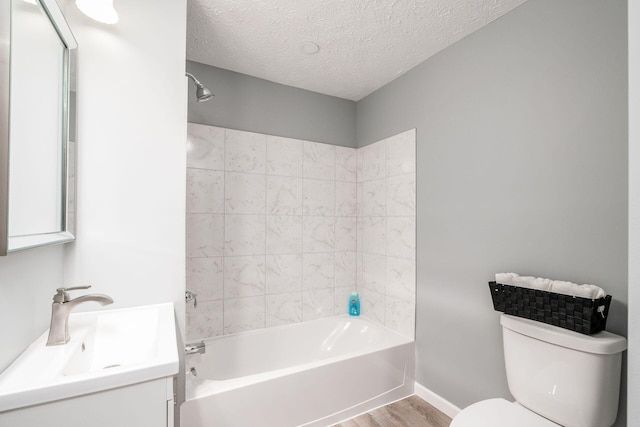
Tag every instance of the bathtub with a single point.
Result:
(311, 374)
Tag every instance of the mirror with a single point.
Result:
(37, 119)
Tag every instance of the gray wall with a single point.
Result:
(522, 166)
(252, 104)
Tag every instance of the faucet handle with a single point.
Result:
(191, 296)
(62, 295)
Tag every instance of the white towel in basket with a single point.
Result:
(570, 288)
(505, 278)
(523, 281)
(557, 286)
(541, 284)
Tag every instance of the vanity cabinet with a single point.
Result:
(146, 404)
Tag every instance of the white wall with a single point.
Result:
(131, 175)
(131, 160)
(634, 212)
(28, 280)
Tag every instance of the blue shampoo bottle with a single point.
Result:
(354, 304)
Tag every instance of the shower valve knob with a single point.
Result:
(191, 296)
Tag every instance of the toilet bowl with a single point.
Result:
(499, 413)
(558, 378)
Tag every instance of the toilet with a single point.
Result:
(558, 378)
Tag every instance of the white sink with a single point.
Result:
(108, 349)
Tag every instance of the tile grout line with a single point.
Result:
(302, 280)
(335, 233)
(266, 196)
(224, 227)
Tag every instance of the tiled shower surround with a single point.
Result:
(282, 230)
(386, 254)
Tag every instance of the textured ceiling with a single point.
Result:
(364, 44)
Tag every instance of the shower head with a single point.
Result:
(202, 92)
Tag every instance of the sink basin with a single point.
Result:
(108, 349)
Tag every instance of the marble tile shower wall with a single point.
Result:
(386, 247)
(271, 230)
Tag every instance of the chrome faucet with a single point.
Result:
(61, 308)
(195, 348)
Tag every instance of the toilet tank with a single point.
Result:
(567, 377)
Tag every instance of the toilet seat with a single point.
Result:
(499, 413)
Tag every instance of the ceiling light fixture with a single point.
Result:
(99, 10)
(309, 47)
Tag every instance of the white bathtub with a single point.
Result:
(311, 374)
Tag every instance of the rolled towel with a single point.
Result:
(532, 282)
(541, 284)
(523, 281)
(562, 287)
(505, 278)
(570, 288)
(597, 291)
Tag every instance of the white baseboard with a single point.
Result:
(437, 401)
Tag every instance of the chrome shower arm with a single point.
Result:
(202, 92)
(196, 81)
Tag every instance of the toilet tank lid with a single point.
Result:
(601, 343)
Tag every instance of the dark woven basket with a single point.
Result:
(578, 314)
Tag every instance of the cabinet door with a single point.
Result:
(138, 405)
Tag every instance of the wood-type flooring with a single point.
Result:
(409, 412)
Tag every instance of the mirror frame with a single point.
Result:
(67, 204)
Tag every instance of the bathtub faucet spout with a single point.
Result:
(195, 348)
